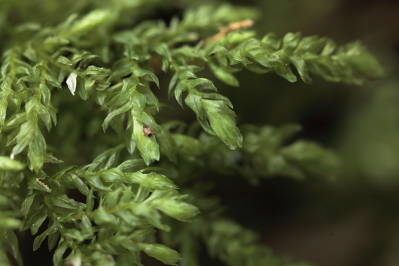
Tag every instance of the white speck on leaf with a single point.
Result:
(43, 185)
(75, 261)
(71, 82)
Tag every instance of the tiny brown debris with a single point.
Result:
(148, 131)
(235, 26)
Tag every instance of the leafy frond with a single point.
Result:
(266, 152)
(292, 56)
(235, 245)
(94, 79)
(122, 207)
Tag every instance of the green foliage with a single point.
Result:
(98, 77)
(265, 154)
(7, 164)
(130, 204)
(235, 245)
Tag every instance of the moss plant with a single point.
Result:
(90, 166)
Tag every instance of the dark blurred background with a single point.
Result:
(353, 220)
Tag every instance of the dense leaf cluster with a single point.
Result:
(97, 77)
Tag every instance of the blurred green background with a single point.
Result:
(353, 220)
